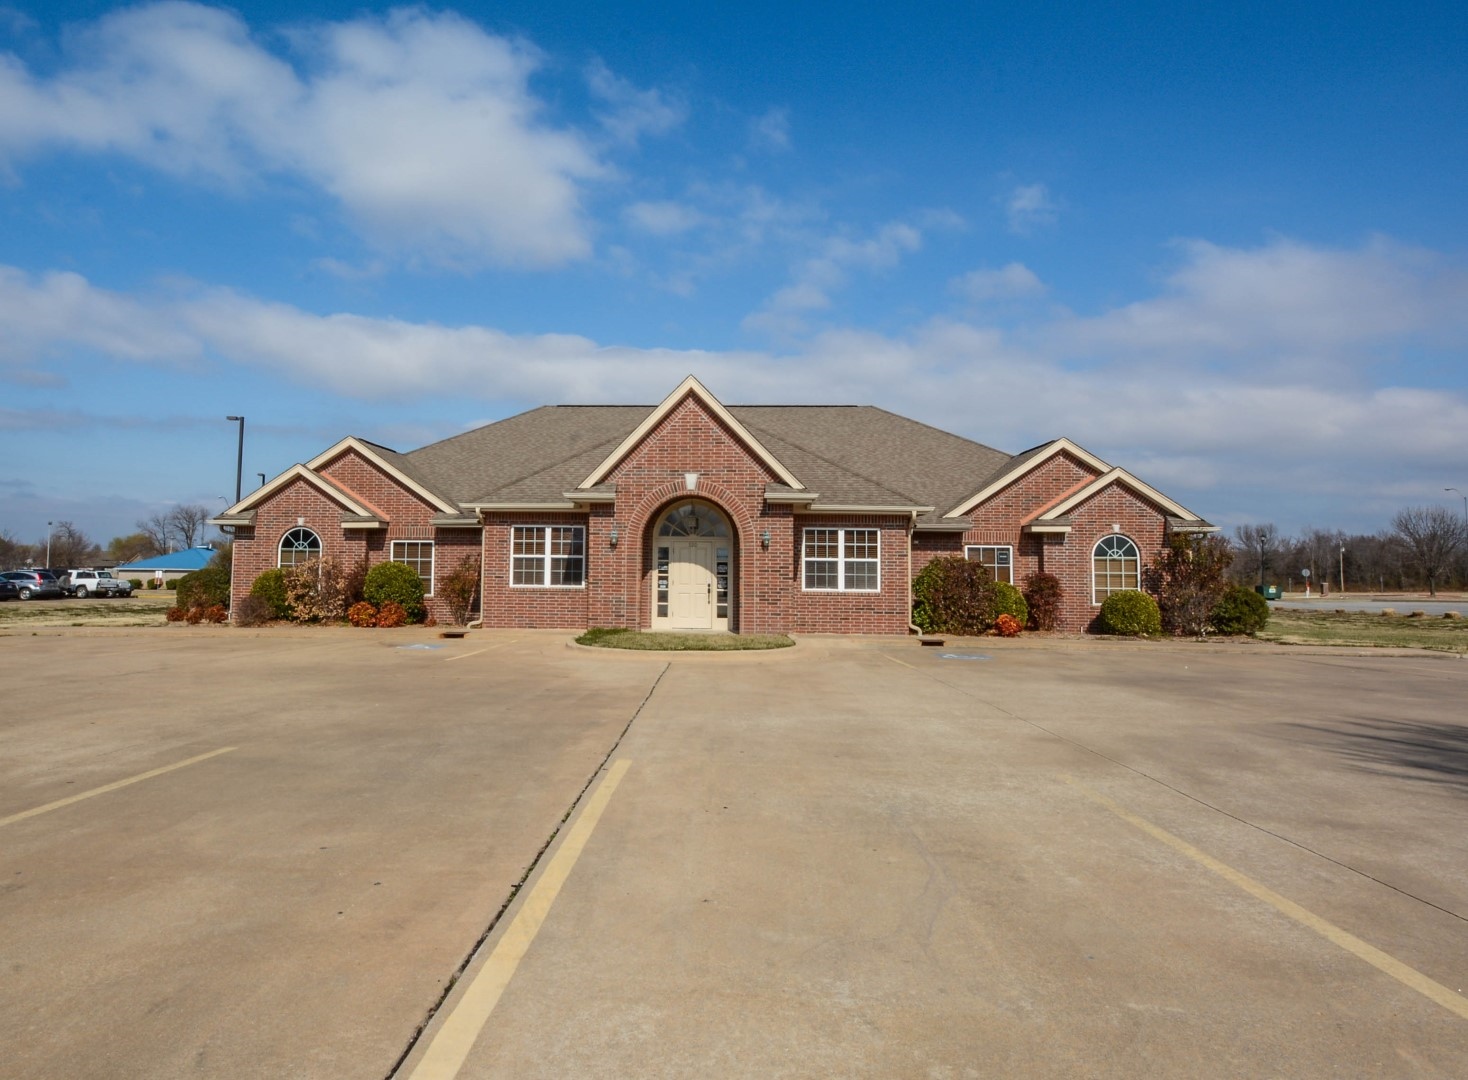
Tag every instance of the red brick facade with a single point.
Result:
(767, 592)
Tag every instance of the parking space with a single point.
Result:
(852, 858)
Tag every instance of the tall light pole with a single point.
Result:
(239, 461)
(1343, 568)
(49, 526)
(1465, 502)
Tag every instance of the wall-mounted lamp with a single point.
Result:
(764, 539)
(614, 537)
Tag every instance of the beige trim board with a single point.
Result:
(294, 473)
(689, 386)
(351, 442)
(1116, 476)
(1059, 446)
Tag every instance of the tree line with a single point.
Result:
(182, 526)
(1425, 548)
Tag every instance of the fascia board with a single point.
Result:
(835, 508)
(688, 386)
(1116, 476)
(1045, 528)
(796, 497)
(591, 496)
(351, 442)
(1057, 447)
(501, 507)
(298, 472)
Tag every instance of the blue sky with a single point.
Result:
(1224, 249)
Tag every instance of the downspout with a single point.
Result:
(911, 528)
(478, 624)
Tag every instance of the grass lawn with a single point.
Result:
(674, 642)
(1353, 628)
(145, 608)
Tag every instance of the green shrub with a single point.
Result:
(1010, 601)
(1129, 612)
(398, 583)
(203, 588)
(1042, 593)
(1239, 611)
(136, 583)
(172, 583)
(269, 587)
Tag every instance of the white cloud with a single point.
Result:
(1010, 282)
(1028, 207)
(771, 132)
(663, 218)
(825, 273)
(1285, 304)
(421, 125)
(630, 113)
(1250, 419)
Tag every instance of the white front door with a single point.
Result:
(691, 584)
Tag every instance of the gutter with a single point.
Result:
(911, 528)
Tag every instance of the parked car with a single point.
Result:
(84, 583)
(35, 584)
(8, 589)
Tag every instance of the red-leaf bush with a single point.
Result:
(216, 613)
(1042, 593)
(362, 614)
(391, 614)
(1007, 626)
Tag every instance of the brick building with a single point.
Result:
(694, 515)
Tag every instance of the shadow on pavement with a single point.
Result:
(1434, 752)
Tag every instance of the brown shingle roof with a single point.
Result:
(847, 454)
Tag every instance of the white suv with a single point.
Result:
(84, 583)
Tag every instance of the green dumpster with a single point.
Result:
(1269, 592)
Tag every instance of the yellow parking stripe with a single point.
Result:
(59, 803)
(446, 1054)
(1384, 962)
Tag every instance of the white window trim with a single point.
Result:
(1114, 536)
(320, 547)
(545, 560)
(840, 559)
(432, 560)
(967, 548)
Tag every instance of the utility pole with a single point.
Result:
(1343, 569)
(239, 462)
(49, 526)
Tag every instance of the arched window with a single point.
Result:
(1115, 566)
(693, 519)
(298, 546)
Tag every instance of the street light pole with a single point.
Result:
(239, 463)
(1343, 569)
(49, 526)
(1465, 503)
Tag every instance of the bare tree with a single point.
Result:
(179, 528)
(188, 522)
(131, 548)
(71, 547)
(1261, 543)
(13, 553)
(1434, 535)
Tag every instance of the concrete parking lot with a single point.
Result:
(858, 858)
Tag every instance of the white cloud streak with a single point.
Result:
(421, 125)
(1059, 376)
(1029, 207)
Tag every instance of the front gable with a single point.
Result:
(1179, 517)
(692, 418)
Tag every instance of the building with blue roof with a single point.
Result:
(167, 567)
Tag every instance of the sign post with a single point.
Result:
(1306, 575)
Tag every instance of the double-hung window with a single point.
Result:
(842, 560)
(999, 560)
(419, 555)
(549, 556)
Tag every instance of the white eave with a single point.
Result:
(689, 386)
(1115, 476)
(1059, 446)
(855, 508)
(1060, 527)
(351, 442)
(504, 507)
(350, 506)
